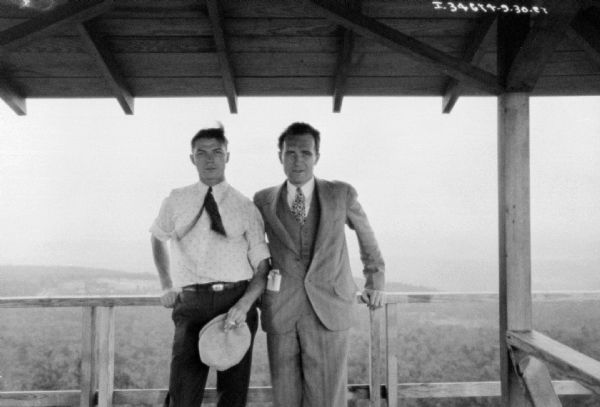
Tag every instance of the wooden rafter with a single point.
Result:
(38, 27)
(587, 35)
(394, 39)
(107, 64)
(543, 37)
(472, 54)
(343, 66)
(344, 62)
(12, 97)
(216, 19)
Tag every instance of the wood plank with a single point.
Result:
(308, 27)
(106, 356)
(536, 380)
(391, 353)
(89, 366)
(546, 32)
(250, 44)
(390, 298)
(586, 35)
(376, 321)
(273, 43)
(568, 86)
(253, 9)
(13, 97)
(514, 232)
(51, 21)
(570, 362)
(216, 18)
(258, 65)
(472, 54)
(107, 65)
(39, 87)
(39, 398)
(295, 9)
(429, 56)
(406, 391)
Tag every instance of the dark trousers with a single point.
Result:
(188, 374)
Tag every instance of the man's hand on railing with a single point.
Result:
(373, 298)
(169, 297)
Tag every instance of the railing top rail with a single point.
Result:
(391, 298)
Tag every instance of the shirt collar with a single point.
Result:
(307, 189)
(218, 189)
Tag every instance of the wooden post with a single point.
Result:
(514, 233)
(106, 355)
(89, 369)
(391, 353)
(376, 318)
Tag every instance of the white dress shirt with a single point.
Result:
(201, 255)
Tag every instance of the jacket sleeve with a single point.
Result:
(370, 255)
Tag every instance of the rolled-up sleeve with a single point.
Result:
(370, 255)
(164, 225)
(255, 235)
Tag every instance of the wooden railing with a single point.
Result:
(98, 356)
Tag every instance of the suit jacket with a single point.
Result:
(328, 283)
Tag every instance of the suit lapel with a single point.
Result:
(275, 222)
(328, 206)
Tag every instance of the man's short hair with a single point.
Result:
(298, 129)
(217, 133)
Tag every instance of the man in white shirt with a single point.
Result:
(217, 262)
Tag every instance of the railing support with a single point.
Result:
(89, 359)
(391, 353)
(514, 234)
(106, 355)
(375, 319)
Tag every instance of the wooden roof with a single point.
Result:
(172, 48)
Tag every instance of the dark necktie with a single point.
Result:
(216, 224)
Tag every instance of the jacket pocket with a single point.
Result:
(343, 294)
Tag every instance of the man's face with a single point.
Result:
(298, 156)
(210, 156)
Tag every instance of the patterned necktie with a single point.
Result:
(299, 206)
(216, 224)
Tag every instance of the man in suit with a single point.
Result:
(308, 319)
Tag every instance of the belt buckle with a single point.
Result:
(218, 287)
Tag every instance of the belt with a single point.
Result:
(218, 286)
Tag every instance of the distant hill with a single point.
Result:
(25, 280)
(67, 280)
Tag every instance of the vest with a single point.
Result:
(303, 236)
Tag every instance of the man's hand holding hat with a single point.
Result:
(236, 315)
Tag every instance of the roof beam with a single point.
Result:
(215, 15)
(587, 35)
(12, 97)
(370, 28)
(108, 65)
(45, 23)
(543, 37)
(344, 62)
(472, 54)
(343, 66)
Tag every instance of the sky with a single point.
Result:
(81, 182)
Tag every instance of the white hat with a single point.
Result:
(223, 349)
